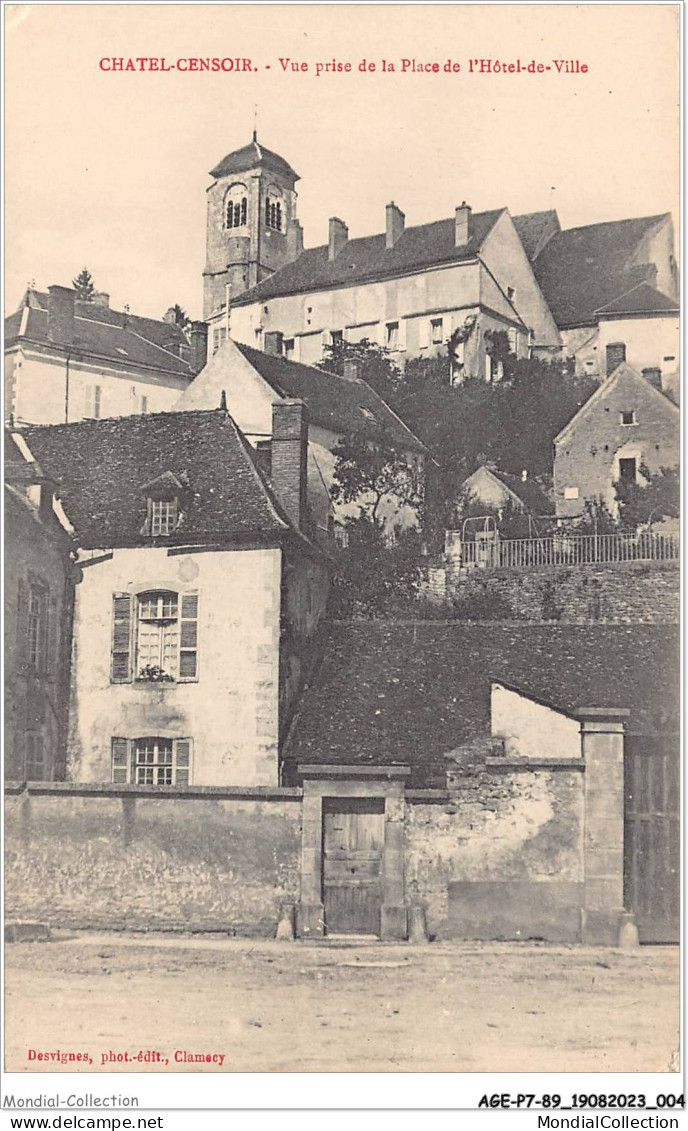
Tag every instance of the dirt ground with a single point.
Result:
(289, 1007)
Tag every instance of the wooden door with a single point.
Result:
(652, 839)
(353, 844)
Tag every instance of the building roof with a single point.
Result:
(369, 258)
(623, 372)
(101, 468)
(410, 693)
(111, 335)
(642, 299)
(533, 497)
(248, 157)
(535, 229)
(583, 269)
(345, 405)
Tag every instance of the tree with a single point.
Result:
(370, 470)
(84, 286)
(373, 578)
(366, 360)
(181, 318)
(642, 503)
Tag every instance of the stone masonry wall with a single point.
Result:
(629, 593)
(210, 861)
(503, 856)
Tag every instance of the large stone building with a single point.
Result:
(410, 289)
(199, 597)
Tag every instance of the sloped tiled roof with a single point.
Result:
(101, 466)
(368, 258)
(410, 693)
(583, 269)
(535, 228)
(112, 334)
(533, 497)
(642, 299)
(248, 157)
(345, 405)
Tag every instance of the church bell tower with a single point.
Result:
(252, 228)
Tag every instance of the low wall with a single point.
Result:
(101, 859)
(627, 593)
(502, 857)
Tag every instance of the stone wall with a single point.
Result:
(502, 856)
(205, 860)
(628, 593)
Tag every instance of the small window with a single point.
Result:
(511, 293)
(289, 348)
(336, 336)
(512, 336)
(144, 406)
(570, 492)
(436, 331)
(669, 357)
(628, 417)
(92, 402)
(392, 335)
(34, 758)
(627, 470)
(219, 336)
(37, 628)
(151, 761)
(164, 514)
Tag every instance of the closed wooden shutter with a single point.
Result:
(401, 334)
(43, 632)
(188, 637)
(182, 761)
(121, 638)
(423, 333)
(120, 760)
(52, 666)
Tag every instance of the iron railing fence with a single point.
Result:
(564, 550)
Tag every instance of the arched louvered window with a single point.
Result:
(236, 207)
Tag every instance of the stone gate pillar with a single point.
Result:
(602, 738)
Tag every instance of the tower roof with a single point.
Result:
(248, 157)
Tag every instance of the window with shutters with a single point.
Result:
(155, 636)
(151, 760)
(437, 331)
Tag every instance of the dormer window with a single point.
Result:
(164, 497)
(236, 207)
(164, 515)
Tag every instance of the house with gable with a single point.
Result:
(497, 490)
(627, 424)
(253, 381)
(68, 360)
(407, 289)
(612, 289)
(199, 594)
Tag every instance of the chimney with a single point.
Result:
(101, 298)
(198, 338)
(654, 376)
(170, 316)
(61, 315)
(294, 240)
(462, 216)
(339, 235)
(272, 343)
(289, 455)
(350, 369)
(616, 354)
(395, 224)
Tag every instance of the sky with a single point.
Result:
(109, 169)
